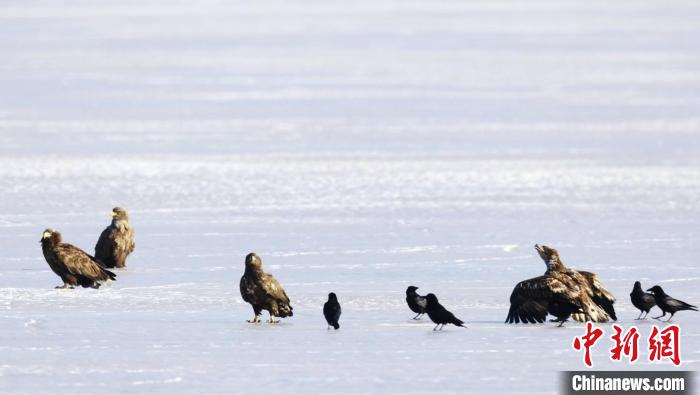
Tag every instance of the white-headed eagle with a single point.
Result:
(117, 240)
(263, 291)
(73, 265)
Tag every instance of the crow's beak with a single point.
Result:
(649, 290)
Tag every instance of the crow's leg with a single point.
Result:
(640, 315)
(417, 315)
(561, 323)
(662, 315)
(669, 318)
(436, 327)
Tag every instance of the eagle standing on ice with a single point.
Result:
(117, 240)
(263, 291)
(562, 292)
(73, 265)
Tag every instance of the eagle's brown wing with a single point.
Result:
(600, 295)
(79, 263)
(592, 310)
(114, 245)
(104, 249)
(530, 299)
(274, 290)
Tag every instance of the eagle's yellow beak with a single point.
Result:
(113, 214)
(46, 235)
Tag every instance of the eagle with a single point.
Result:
(117, 240)
(561, 292)
(263, 291)
(73, 265)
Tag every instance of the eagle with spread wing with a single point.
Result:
(117, 240)
(73, 265)
(561, 292)
(263, 291)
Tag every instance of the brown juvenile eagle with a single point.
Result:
(562, 292)
(263, 291)
(117, 240)
(73, 265)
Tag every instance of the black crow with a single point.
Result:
(331, 310)
(642, 300)
(415, 302)
(667, 304)
(438, 314)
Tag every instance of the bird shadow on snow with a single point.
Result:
(265, 325)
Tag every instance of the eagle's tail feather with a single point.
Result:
(110, 274)
(592, 313)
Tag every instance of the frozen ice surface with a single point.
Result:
(358, 147)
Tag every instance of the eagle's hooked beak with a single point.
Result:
(112, 214)
(45, 236)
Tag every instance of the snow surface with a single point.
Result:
(358, 147)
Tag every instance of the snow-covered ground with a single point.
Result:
(358, 147)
